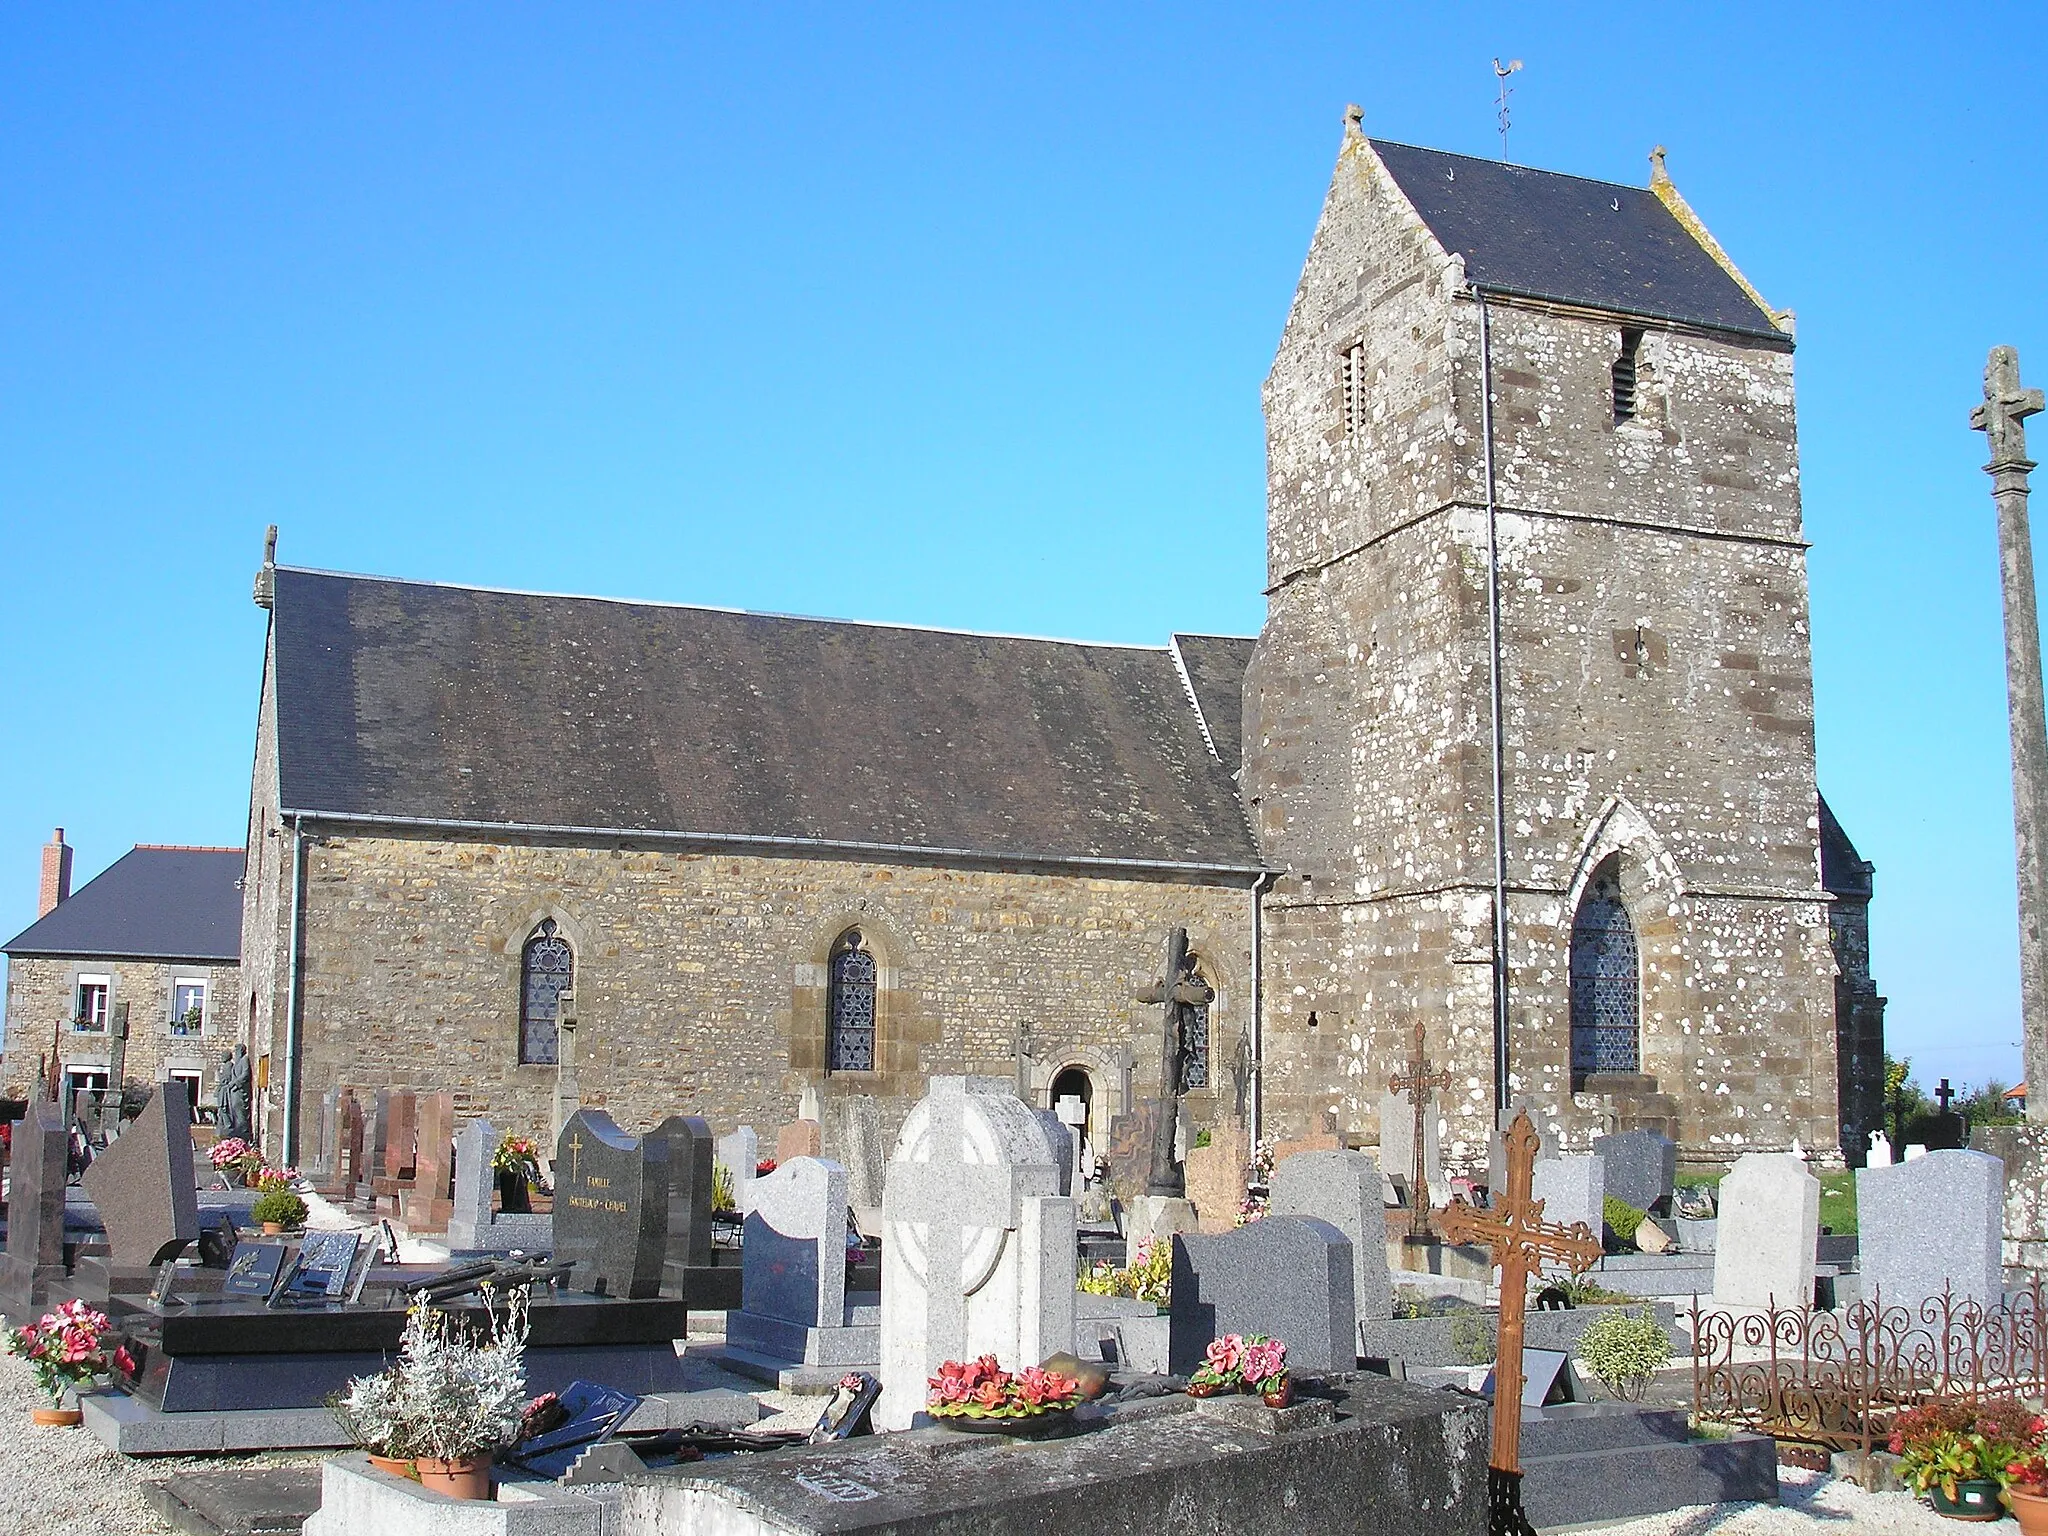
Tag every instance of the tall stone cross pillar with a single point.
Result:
(1179, 991)
(1521, 1241)
(1417, 1082)
(568, 1094)
(2006, 406)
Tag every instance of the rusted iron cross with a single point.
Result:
(1417, 1082)
(1521, 1241)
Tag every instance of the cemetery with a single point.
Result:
(1504, 1355)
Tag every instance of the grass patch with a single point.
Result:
(1838, 1202)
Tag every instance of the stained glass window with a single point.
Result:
(1605, 986)
(850, 1006)
(547, 969)
(1195, 1047)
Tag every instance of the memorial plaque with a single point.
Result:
(324, 1263)
(254, 1269)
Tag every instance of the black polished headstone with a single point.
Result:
(39, 1156)
(690, 1147)
(611, 1206)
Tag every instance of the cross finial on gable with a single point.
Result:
(1354, 120)
(2006, 405)
(1657, 171)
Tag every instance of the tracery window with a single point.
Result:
(850, 1006)
(1606, 985)
(547, 969)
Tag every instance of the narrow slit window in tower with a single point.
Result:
(1625, 377)
(1354, 386)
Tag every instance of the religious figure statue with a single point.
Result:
(231, 1094)
(1180, 993)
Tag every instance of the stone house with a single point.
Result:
(1524, 751)
(135, 976)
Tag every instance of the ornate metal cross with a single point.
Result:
(1521, 1242)
(1178, 993)
(1417, 1082)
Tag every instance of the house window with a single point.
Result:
(850, 1006)
(89, 1002)
(188, 1006)
(79, 1080)
(1353, 383)
(1624, 377)
(191, 1082)
(547, 969)
(1605, 983)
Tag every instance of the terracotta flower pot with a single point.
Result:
(467, 1477)
(2030, 1509)
(396, 1466)
(273, 1229)
(57, 1418)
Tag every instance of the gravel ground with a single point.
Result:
(1810, 1503)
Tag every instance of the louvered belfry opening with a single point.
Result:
(1353, 382)
(1625, 377)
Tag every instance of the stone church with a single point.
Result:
(1524, 753)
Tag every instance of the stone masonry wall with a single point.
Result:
(700, 978)
(1657, 699)
(42, 996)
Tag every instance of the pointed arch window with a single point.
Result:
(547, 969)
(850, 1006)
(1606, 983)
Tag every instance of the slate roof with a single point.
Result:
(413, 702)
(152, 903)
(1215, 670)
(1543, 235)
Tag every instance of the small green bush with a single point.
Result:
(1473, 1337)
(1622, 1218)
(1623, 1349)
(280, 1206)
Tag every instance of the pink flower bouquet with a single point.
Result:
(981, 1389)
(65, 1349)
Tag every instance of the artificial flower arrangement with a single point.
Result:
(982, 1389)
(66, 1349)
(455, 1398)
(516, 1154)
(764, 1167)
(272, 1181)
(1942, 1445)
(1235, 1363)
(1148, 1277)
(234, 1153)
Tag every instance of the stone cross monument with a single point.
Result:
(2000, 418)
(568, 1092)
(1179, 993)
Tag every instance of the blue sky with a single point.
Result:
(951, 316)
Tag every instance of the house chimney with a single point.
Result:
(56, 885)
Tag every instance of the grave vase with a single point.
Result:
(57, 1418)
(466, 1477)
(514, 1193)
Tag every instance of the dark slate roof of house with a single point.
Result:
(1544, 235)
(1215, 668)
(1842, 869)
(408, 702)
(152, 903)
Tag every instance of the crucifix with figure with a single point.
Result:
(1522, 1242)
(1417, 1082)
(1179, 993)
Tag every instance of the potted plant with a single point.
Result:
(278, 1210)
(980, 1395)
(1954, 1454)
(516, 1162)
(1624, 1349)
(2026, 1480)
(455, 1398)
(66, 1350)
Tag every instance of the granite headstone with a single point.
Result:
(688, 1160)
(1216, 1176)
(426, 1206)
(611, 1206)
(978, 1246)
(853, 1139)
(1573, 1189)
(740, 1153)
(799, 1138)
(1345, 1190)
(1641, 1167)
(1289, 1277)
(473, 1226)
(39, 1159)
(142, 1186)
(794, 1258)
(1929, 1224)
(1767, 1233)
(1397, 1146)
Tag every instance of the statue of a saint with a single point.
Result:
(231, 1094)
